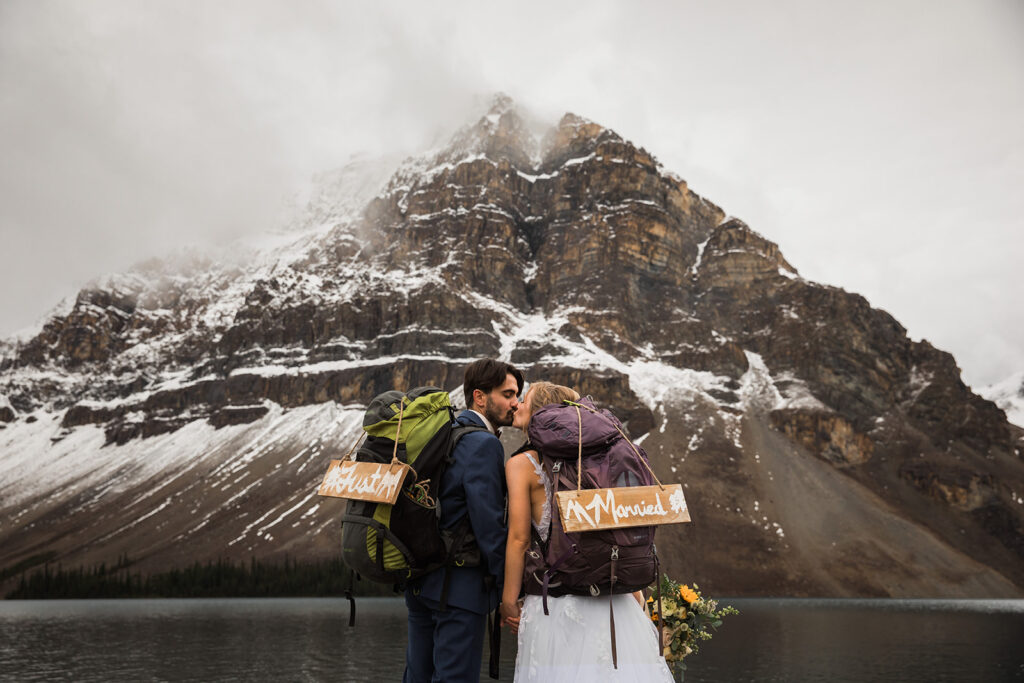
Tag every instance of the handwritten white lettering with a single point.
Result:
(579, 512)
(357, 479)
(627, 506)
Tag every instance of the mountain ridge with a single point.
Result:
(580, 258)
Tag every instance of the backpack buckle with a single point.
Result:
(594, 590)
(557, 466)
(615, 552)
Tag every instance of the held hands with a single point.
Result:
(510, 612)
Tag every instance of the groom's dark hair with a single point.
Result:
(487, 373)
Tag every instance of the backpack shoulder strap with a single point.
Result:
(463, 527)
(525, 447)
(459, 431)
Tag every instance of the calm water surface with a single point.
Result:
(309, 640)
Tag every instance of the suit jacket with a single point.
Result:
(474, 485)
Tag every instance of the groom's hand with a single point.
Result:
(513, 625)
(510, 615)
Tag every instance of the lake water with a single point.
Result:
(309, 640)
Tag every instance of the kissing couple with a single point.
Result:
(560, 637)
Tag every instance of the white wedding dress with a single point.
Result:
(573, 641)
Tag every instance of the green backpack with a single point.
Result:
(395, 543)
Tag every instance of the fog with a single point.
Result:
(878, 143)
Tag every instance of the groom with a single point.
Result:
(448, 607)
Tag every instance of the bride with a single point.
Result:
(572, 642)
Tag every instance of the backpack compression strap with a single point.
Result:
(661, 620)
(456, 545)
(494, 633)
(611, 606)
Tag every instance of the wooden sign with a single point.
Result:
(592, 509)
(370, 481)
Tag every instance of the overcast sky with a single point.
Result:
(879, 143)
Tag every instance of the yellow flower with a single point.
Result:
(688, 594)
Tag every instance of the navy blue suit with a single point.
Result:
(446, 645)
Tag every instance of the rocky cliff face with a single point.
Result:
(186, 410)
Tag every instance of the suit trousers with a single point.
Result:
(445, 646)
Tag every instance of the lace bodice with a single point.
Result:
(543, 527)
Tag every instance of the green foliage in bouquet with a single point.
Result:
(686, 620)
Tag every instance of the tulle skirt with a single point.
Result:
(573, 642)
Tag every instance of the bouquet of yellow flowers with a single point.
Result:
(685, 620)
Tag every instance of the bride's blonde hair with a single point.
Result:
(545, 393)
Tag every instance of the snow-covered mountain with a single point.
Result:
(186, 410)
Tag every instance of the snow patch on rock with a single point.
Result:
(762, 392)
(1009, 396)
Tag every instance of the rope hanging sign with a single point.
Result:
(371, 481)
(593, 509)
(376, 482)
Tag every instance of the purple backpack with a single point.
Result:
(605, 562)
